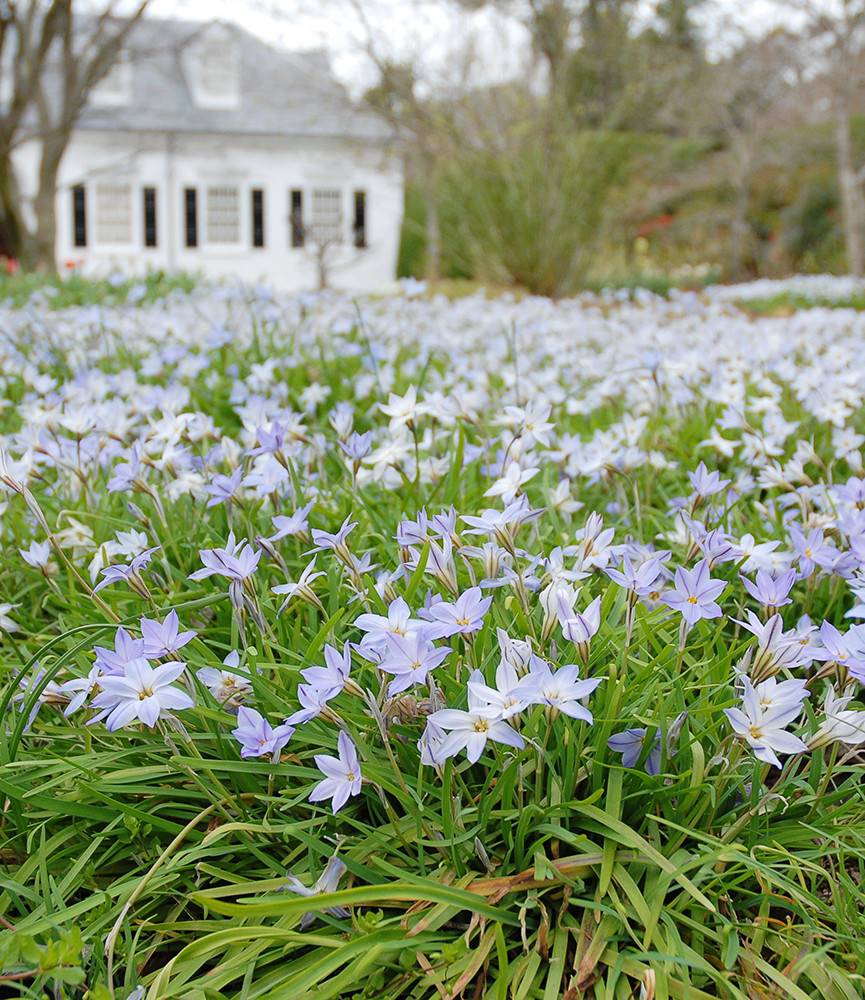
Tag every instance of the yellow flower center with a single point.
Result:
(481, 725)
(145, 693)
(692, 599)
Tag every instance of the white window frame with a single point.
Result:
(94, 236)
(204, 224)
(342, 223)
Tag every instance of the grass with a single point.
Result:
(74, 289)
(157, 858)
(786, 303)
(456, 288)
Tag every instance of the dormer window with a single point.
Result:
(114, 90)
(213, 68)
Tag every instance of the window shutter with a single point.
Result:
(359, 228)
(257, 217)
(79, 216)
(190, 205)
(150, 217)
(296, 219)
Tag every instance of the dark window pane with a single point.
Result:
(79, 216)
(257, 217)
(150, 217)
(297, 233)
(360, 219)
(190, 204)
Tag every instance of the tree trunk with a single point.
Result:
(432, 258)
(44, 251)
(12, 225)
(852, 208)
(739, 229)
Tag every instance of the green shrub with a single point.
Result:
(530, 215)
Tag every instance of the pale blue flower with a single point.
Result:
(342, 776)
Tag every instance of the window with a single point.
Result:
(223, 215)
(327, 216)
(79, 216)
(359, 228)
(212, 65)
(113, 212)
(150, 217)
(257, 217)
(115, 88)
(297, 218)
(190, 216)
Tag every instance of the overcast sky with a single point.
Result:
(430, 29)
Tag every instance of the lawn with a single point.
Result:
(431, 647)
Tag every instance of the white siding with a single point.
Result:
(239, 163)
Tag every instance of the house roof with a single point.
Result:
(281, 92)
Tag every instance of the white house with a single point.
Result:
(207, 150)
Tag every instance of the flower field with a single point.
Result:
(414, 648)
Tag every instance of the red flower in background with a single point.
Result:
(653, 225)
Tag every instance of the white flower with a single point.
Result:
(470, 731)
(141, 693)
(6, 623)
(37, 555)
(400, 409)
(225, 686)
(758, 555)
(763, 727)
(841, 724)
(378, 627)
(511, 482)
(510, 695)
(560, 498)
(327, 882)
(78, 689)
(563, 690)
(301, 589)
(130, 543)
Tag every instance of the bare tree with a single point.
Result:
(423, 123)
(837, 31)
(325, 244)
(27, 33)
(60, 53)
(552, 27)
(746, 92)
